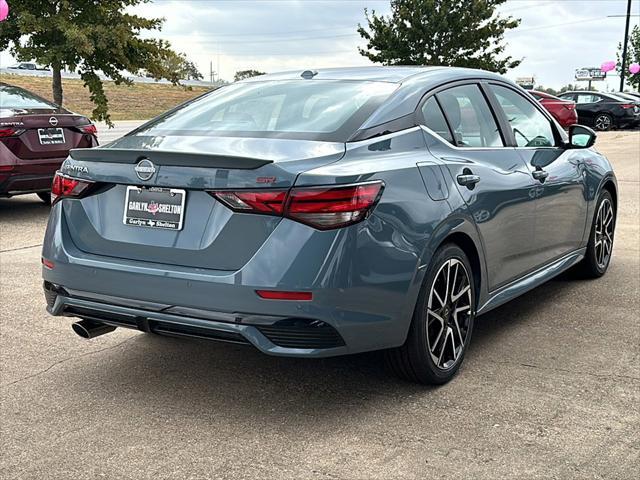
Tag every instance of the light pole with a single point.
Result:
(623, 70)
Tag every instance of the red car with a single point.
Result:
(35, 138)
(564, 111)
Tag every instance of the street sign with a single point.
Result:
(590, 74)
(526, 82)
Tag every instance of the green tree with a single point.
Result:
(191, 72)
(461, 33)
(89, 37)
(633, 56)
(242, 74)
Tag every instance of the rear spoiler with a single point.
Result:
(169, 158)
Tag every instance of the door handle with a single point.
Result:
(540, 175)
(468, 180)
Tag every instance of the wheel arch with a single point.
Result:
(468, 246)
(610, 186)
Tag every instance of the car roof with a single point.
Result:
(393, 74)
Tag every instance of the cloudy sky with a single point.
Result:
(554, 38)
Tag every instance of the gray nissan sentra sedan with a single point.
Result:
(329, 212)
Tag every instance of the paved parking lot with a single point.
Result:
(549, 389)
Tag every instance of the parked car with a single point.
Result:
(604, 111)
(35, 138)
(564, 111)
(632, 97)
(28, 66)
(322, 213)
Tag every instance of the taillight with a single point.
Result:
(10, 132)
(63, 187)
(90, 129)
(256, 201)
(628, 105)
(323, 208)
(332, 207)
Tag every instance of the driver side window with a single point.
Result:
(530, 127)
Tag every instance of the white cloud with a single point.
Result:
(554, 38)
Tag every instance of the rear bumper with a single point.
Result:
(269, 334)
(364, 291)
(18, 183)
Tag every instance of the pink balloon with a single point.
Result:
(634, 68)
(4, 10)
(608, 66)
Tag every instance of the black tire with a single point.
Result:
(45, 197)
(594, 265)
(603, 122)
(414, 361)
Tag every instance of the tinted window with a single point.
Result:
(568, 96)
(587, 98)
(311, 109)
(14, 97)
(434, 119)
(530, 127)
(470, 118)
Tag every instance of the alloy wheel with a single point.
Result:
(604, 233)
(449, 314)
(603, 122)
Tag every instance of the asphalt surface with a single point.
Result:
(550, 387)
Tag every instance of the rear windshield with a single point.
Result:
(14, 97)
(307, 109)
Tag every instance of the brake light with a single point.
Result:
(90, 129)
(10, 132)
(63, 187)
(628, 105)
(332, 207)
(258, 201)
(323, 208)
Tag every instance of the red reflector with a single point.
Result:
(276, 295)
(91, 129)
(48, 263)
(67, 187)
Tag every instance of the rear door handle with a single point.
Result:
(540, 175)
(468, 180)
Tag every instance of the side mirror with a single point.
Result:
(581, 137)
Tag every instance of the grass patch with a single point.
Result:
(139, 101)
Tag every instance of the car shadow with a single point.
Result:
(197, 376)
(24, 206)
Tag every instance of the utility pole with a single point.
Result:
(211, 72)
(623, 70)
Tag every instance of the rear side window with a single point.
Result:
(587, 98)
(434, 119)
(530, 127)
(14, 97)
(470, 117)
(308, 109)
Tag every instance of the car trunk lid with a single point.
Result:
(211, 235)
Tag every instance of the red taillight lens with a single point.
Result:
(68, 187)
(90, 129)
(332, 207)
(628, 105)
(10, 132)
(259, 201)
(321, 207)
